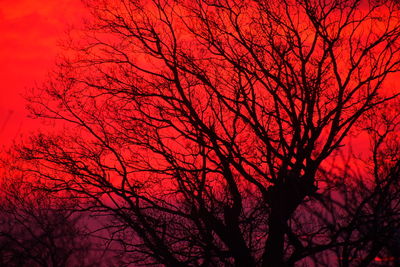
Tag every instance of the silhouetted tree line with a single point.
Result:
(36, 232)
(217, 133)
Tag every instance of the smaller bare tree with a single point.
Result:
(354, 220)
(38, 230)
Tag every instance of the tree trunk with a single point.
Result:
(283, 198)
(273, 256)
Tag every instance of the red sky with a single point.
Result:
(30, 31)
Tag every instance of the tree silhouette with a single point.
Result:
(35, 230)
(354, 219)
(202, 127)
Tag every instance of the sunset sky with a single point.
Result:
(30, 31)
(200, 133)
(30, 34)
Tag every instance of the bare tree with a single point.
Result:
(354, 219)
(35, 230)
(202, 126)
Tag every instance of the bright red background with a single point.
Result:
(30, 31)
